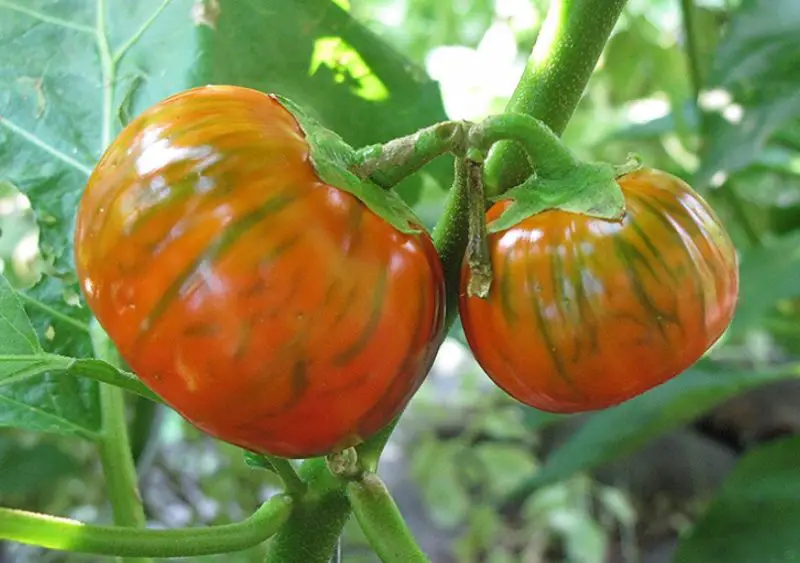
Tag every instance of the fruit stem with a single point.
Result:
(292, 483)
(477, 252)
(543, 148)
(567, 49)
(381, 521)
(389, 163)
(451, 236)
(312, 531)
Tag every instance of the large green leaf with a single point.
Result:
(617, 431)
(32, 394)
(757, 63)
(767, 275)
(16, 332)
(55, 402)
(756, 514)
(32, 469)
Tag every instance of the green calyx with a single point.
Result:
(334, 161)
(588, 189)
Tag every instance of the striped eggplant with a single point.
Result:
(271, 309)
(586, 313)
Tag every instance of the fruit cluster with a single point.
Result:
(277, 311)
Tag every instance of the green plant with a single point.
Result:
(61, 375)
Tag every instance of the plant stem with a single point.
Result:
(480, 265)
(541, 146)
(390, 163)
(286, 471)
(451, 235)
(120, 473)
(70, 535)
(311, 532)
(381, 521)
(115, 450)
(562, 61)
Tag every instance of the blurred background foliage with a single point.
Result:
(702, 469)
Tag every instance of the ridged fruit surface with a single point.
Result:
(272, 310)
(585, 313)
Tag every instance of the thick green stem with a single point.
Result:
(381, 521)
(568, 47)
(115, 450)
(70, 535)
(390, 163)
(311, 532)
(451, 236)
(541, 146)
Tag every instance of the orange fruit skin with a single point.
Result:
(585, 313)
(272, 310)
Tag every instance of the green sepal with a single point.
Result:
(333, 159)
(587, 189)
(633, 164)
(258, 461)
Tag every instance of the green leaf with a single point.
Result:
(35, 392)
(258, 461)
(756, 514)
(512, 422)
(57, 394)
(656, 68)
(535, 420)
(588, 188)
(767, 275)
(32, 469)
(757, 63)
(16, 332)
(507, 465)
(54, 403)
(435, 466)
(618, 431)
(333, 159)
(60, 320)
(42, 391)
(584, 539)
